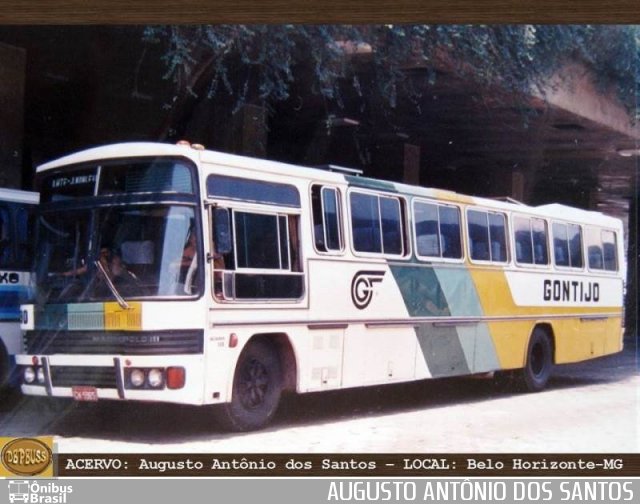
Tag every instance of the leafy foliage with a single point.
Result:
(262, 62)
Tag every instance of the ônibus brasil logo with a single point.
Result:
(34, 492)
(362, 287)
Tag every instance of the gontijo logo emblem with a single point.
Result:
(362, 287)
(26, 456)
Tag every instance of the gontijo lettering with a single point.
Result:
(571, 290)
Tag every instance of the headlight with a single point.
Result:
(40, 375)
(29, 375)
(137, 377)
(155, 378)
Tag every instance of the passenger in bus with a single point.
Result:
(188, 261)
(118, 269)
(112, 264)
(103, 257)
(218, 275)
(188, 253)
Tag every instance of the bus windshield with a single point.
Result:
(131, 251)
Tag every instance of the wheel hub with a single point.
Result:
(254, 384)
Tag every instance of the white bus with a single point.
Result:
(17, 210)
(172, 273)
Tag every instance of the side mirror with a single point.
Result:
(222, 226)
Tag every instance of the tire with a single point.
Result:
(257, 387)
(539, 364)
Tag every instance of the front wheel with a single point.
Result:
(257, 387)
(539, 365)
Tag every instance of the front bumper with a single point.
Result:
(108, 377)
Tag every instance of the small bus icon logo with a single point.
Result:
(18, 491)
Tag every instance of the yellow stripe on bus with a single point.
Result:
(575, 338)
(117, 318)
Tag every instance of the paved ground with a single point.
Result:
(589, 407)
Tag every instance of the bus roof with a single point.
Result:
(121, 150)
(147, 149)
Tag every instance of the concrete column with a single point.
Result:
(250, 131)
(517, 186)
(12, 78)
(411, 164)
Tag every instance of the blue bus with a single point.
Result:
(17, 214)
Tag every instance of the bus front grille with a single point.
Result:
(48, 342)
(71, 376)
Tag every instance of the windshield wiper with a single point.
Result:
(123, 304)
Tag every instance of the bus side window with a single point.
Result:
(450, 232)
(539, 239)
(498, 237)
(567, 245)
(377, 224)
(487, 236)
(365, 223)
(595, 252)
(437, 229)
(530, 236)
(261, 256)
(602, 249)
(609, 249)
(478, 231)
(560, 244)
(327, 219)
(575, 245)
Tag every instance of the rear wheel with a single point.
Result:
(257, 387)
(539, 364)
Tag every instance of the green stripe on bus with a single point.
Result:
(421, 291)
(447, 291)
(443, 351)
(463, 300)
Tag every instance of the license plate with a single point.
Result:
(85, 393)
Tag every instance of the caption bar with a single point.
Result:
(343, 465)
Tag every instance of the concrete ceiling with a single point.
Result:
(571, 143)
